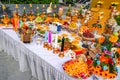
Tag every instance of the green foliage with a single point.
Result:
(117, 55)
(97, 25)
(119, 39)
(109, 46)
(95, 62)
(111, 70)
(41, 31)
(117, 18)
(67, 39)
(103, 64)
(29, 1)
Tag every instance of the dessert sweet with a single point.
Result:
(87, 35)
(76, 68)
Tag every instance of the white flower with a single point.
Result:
(113, 49)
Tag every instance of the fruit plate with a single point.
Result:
(76, 68)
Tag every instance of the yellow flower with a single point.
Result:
(113, 38)
(114, 3)
(100, 2)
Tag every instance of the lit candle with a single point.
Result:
(56, 40)
(46, 36)
(62, 46)
(50, 37)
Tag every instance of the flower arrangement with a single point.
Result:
(26, 32)
(105, 62)
(99, 2)
(25, 29)
(105, 65)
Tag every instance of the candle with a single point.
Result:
(18, 23)
(46, 36)
(62, 46)
(56, 40)
(50, 37)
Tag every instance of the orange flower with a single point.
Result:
(103, 59)
(113, 38)
(118, 50)
(101, 39)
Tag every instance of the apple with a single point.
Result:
(115, 34)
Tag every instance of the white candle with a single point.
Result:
(56, 40)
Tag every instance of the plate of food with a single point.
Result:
(76, 68)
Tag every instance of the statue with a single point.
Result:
(5, 19)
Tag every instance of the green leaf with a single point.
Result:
(109, 46)
(112, 67)
(95, 63)
(117, 18)
(59, 41)
(119, 39)
(67, 39)
(103, 64)
(117, 55)
(106, 55)
(30, 1)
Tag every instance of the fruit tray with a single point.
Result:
(76, 68)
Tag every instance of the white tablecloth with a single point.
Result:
(43, 64)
